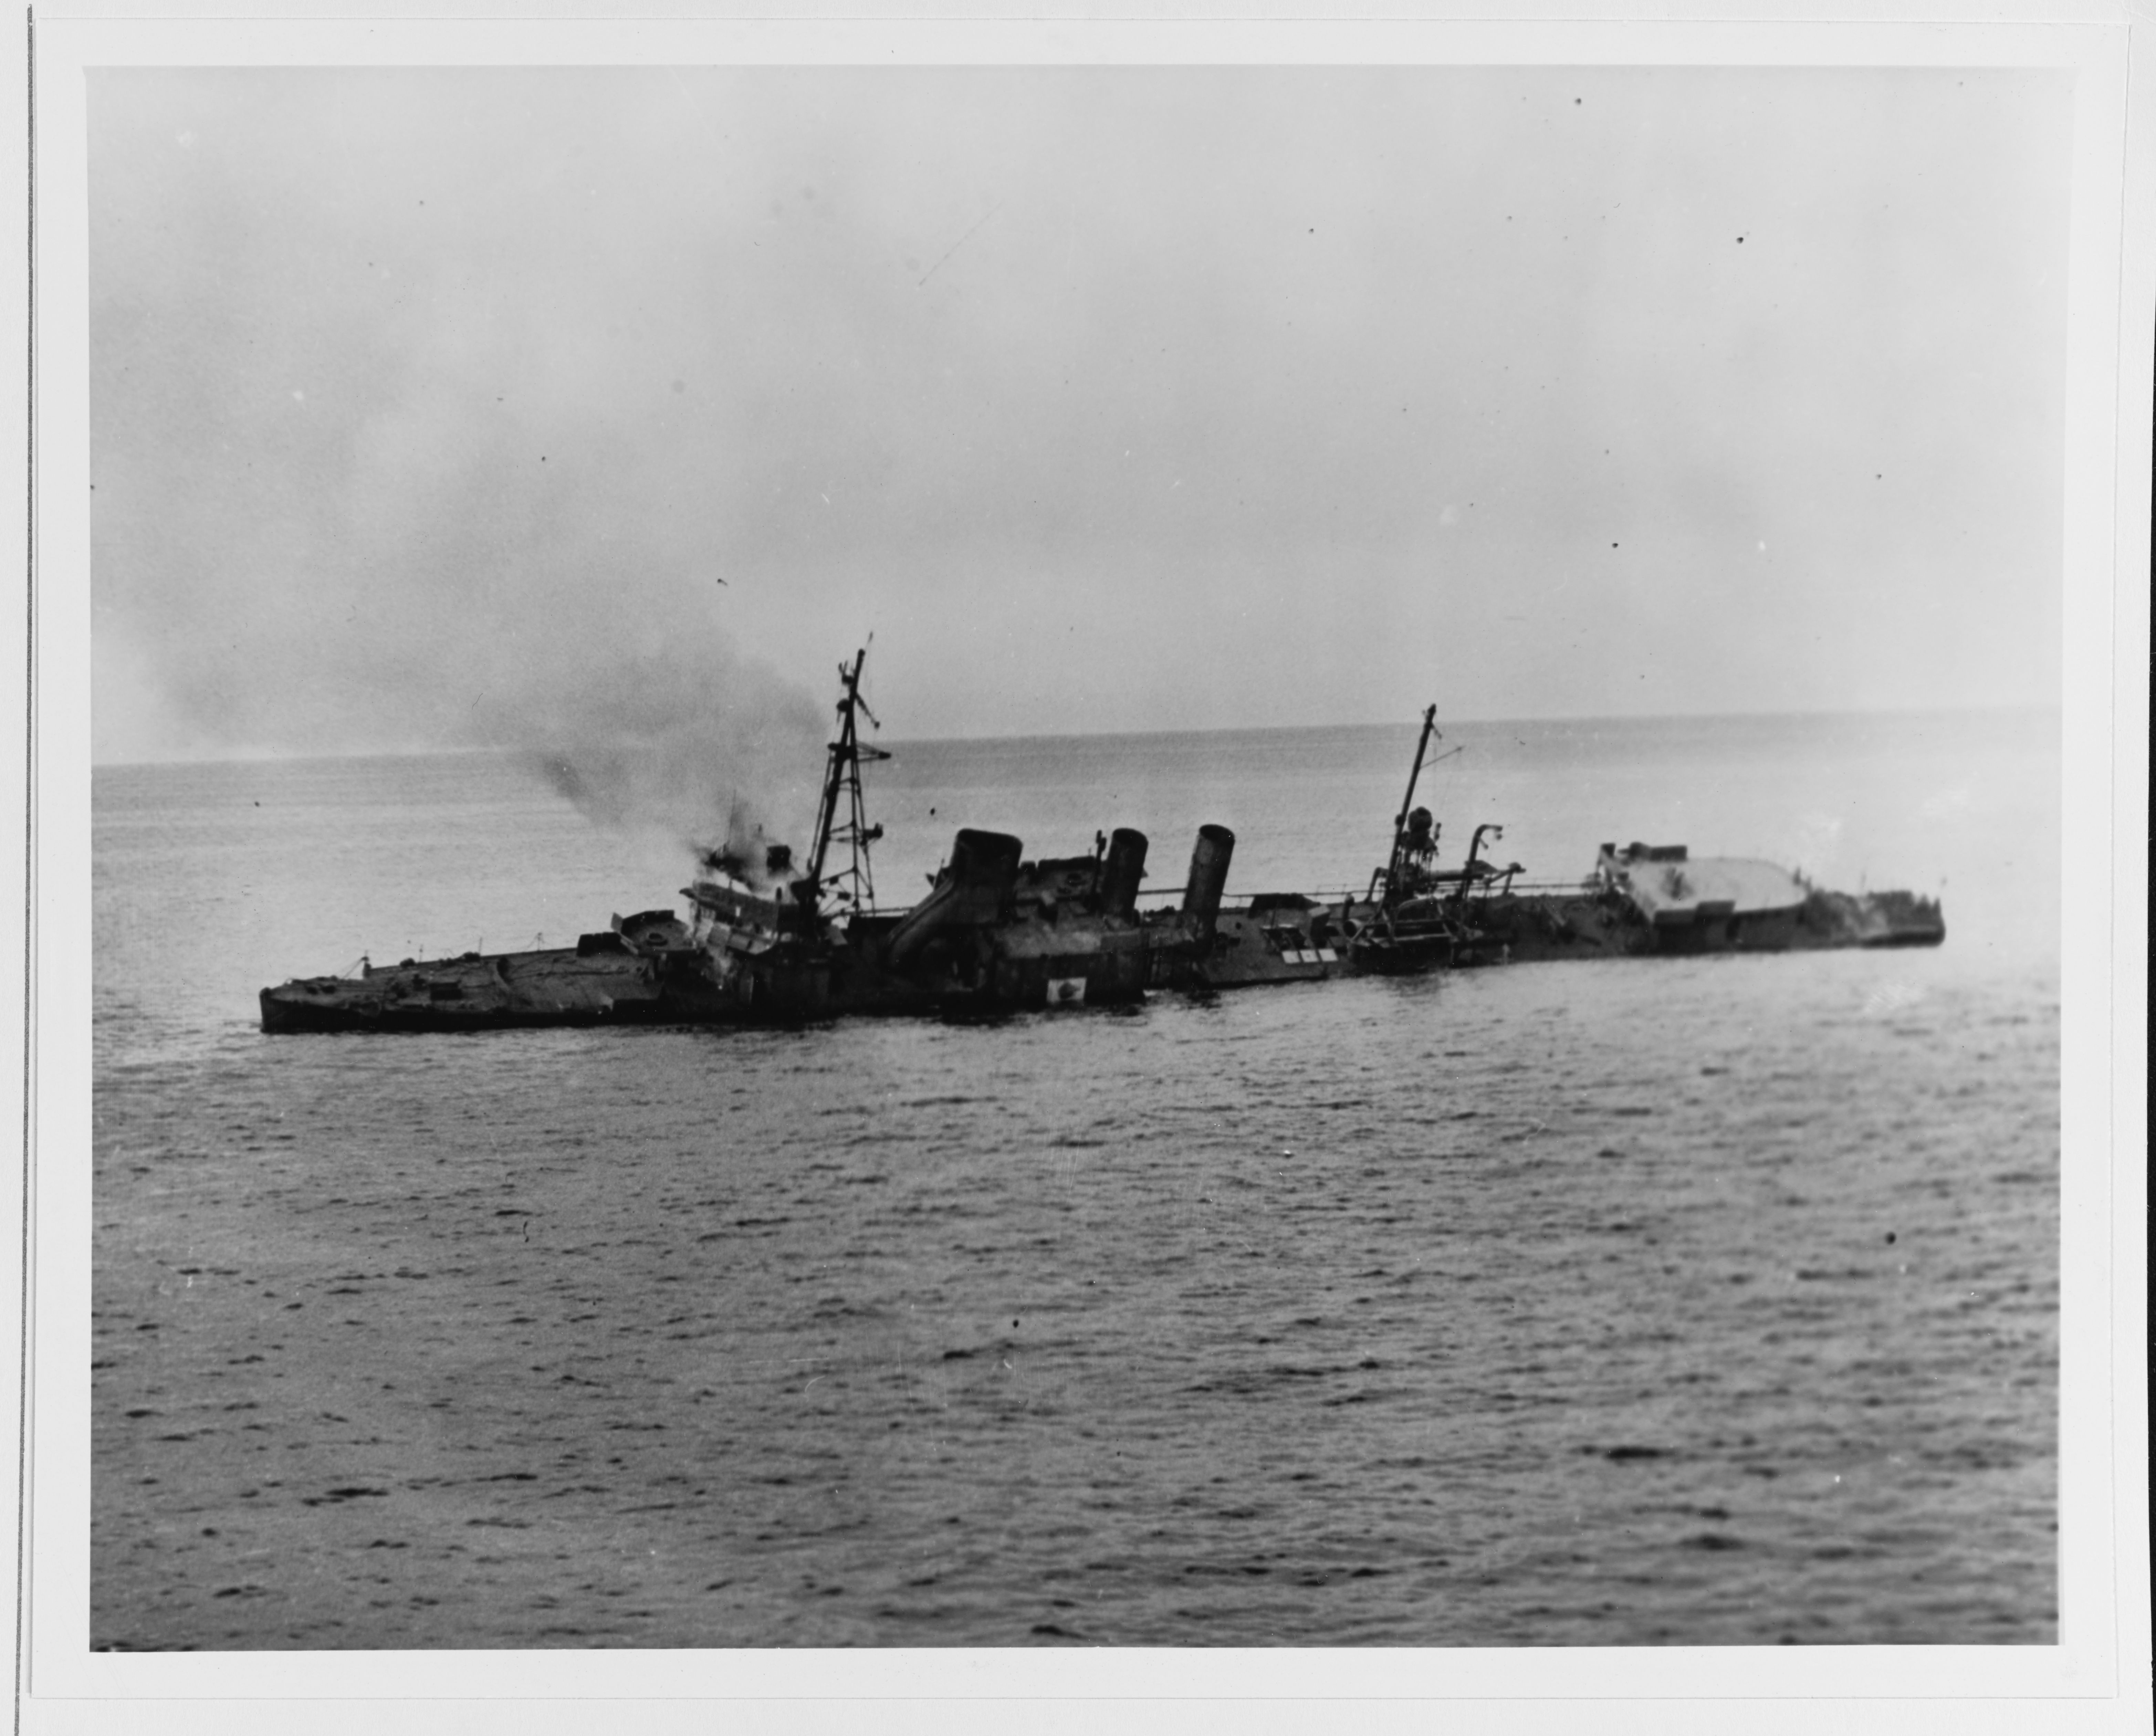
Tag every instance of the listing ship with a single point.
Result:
(761, 945)
(997, 933)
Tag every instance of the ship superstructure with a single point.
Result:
(763, 944)
(997, 933)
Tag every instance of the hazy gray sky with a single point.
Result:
(431, 407)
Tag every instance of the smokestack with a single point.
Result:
(974, 889)
(983, 869)
(1208, 874)
(1123, 871)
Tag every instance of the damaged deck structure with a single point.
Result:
(997, 933)
(1642, 900)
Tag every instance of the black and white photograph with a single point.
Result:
(969, 853)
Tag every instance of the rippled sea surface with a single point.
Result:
(1691, 1301)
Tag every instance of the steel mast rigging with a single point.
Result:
(842, 783)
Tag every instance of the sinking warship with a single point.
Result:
(997, 933)
(764, 945)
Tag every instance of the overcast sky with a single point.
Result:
(431, 408)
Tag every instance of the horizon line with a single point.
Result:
(268, 755)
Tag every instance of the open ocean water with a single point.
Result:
(1685, 1302)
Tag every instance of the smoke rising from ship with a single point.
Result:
(426, 502)
(1267, 395)
(747, 851)
(716, 752)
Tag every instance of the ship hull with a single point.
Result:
(282, 1014)
(1291, 941)
(499, 991)
(1027, 967)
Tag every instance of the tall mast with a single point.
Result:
(842, 778)
(1407, 802)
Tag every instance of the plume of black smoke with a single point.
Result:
(429, 498)
(716, 752)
